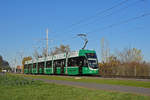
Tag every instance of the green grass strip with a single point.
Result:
(134, 83)
(45, 91)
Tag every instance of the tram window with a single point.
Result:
(55, 63)
(63, 63)
(42, 64)
(25, 66)
(34, 65)
(71, 61)
(58, 63)
(82, 61)
(76, 61)
(91, 55)
(48, 64)
(39, 64)
(30, 66)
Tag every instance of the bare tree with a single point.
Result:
(36, 54)
(130, 55)
(44, 52)
(60, 49)
(104, 51)
(1, 60)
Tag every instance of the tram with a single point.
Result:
(82, 62)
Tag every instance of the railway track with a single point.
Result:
(139, 78)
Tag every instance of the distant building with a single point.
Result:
(4, 71)
(19, 69)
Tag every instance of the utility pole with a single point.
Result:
(66, 62)
(15, 64)
(47, 42)
(21, 54)
(46, 47)
(102, 50)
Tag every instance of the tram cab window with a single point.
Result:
(93, 64)
(91, 55)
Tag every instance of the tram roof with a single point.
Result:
(60, 56)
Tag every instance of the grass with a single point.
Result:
(134, 83)
(38, 90)
(9, 80)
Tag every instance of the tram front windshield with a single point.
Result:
(91, 55)
(93, 64)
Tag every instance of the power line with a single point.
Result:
(97, 14)
(122, 22)
(106, 10)
(101, 12)
(119, 10)
(108, 15)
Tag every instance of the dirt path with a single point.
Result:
(137, 90)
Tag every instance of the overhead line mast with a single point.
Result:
(47, 42)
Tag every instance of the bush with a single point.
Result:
(124, 69)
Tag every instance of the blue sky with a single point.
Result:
(23, 23)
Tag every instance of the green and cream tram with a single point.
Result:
(82, 62)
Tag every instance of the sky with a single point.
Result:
(23, 25)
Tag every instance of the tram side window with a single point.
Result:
(42, 64)
(73, 61)
(69, 62)
(82, 61)
(34, 65)
(39, 64)
(30, 66)
(55, 63)
(48, 64)
(58, 63)
(62, 63)
(25, 66)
